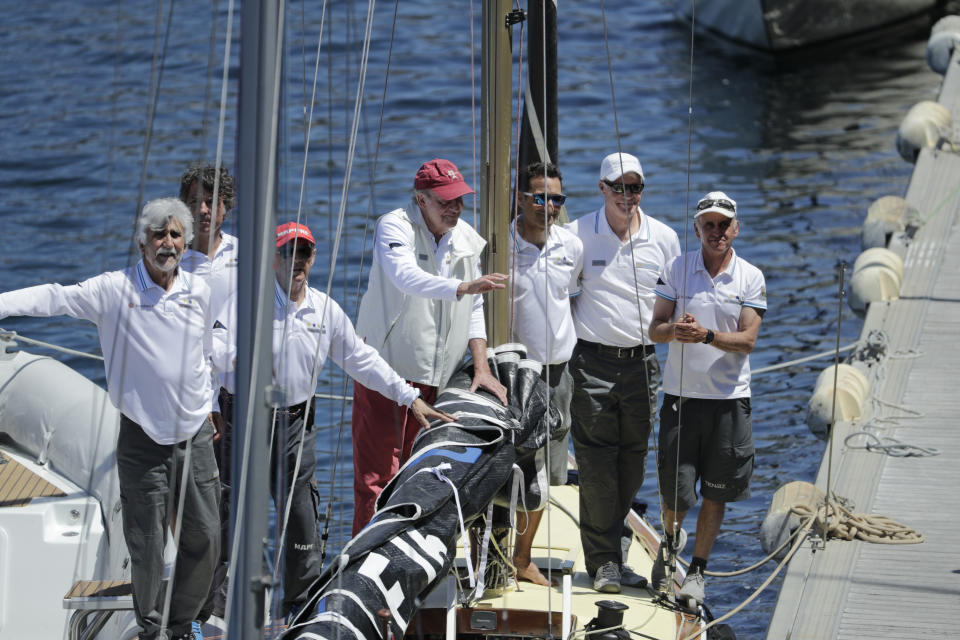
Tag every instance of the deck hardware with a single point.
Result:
(515, 17)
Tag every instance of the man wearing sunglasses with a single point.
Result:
(709, 307)
(614, 367)
(422, 311)
(545, 264)
(309, 327)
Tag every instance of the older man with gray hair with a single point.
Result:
(154, 325)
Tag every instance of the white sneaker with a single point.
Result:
(693, 590)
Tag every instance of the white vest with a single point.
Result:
(423, 339)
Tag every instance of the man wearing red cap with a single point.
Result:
(422, 311)
(308, 327)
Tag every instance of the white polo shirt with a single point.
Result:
(716, 303)
(221, 275)
(615, 274)
(394, 251)
(542, 310)
(155, 343)
(315, 329)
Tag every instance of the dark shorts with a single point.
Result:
(716, 448)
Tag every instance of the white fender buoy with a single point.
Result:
(780, 522)
(852, 392)
(944, 38)
(877, 275)
(886, 216)
(923, 127)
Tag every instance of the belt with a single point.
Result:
(623, 353)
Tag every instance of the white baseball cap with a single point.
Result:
(718, 202)
(616, 165)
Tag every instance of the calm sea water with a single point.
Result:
(804, 149)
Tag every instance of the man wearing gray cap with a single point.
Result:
(709, 307)
(614, 366)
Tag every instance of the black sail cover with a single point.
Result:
(454, 469)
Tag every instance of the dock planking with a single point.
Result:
(858, 589)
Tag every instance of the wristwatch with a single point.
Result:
(709, 337)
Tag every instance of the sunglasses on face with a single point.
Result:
(618, 187)
(303, 251)
(539, 199)
(723, 204)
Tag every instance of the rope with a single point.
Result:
(890, 446)
(842, 523)
(793, 363)
(13, 335)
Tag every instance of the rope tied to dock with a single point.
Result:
(841, 523)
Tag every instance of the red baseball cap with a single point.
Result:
(443, 177)
(292, 230)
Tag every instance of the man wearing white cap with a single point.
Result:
(422, 311)
(709, 307)
(614, 368)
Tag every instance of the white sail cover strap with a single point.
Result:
(438, 472)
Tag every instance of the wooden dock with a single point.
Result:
(863, 590)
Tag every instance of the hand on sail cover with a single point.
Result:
(483, 284)
(424, 413)
(486, 380)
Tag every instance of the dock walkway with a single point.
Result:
(863, 590)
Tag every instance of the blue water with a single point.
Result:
(804, 149)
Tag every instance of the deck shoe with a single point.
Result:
(607, 579)
(630, 578)
(693, 590)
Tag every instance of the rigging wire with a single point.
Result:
(644, 328)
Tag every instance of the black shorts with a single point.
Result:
(716, 448)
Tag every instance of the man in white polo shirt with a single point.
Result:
(709, 307)
(545, 264)
(213, 255)
(154, 325)
(614, 369)
(422, 311)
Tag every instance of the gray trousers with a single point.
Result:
(150, 477)
(610, 411)
(561, 385)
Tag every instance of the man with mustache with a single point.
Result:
(422, 311)
(614, 367)
(545, 262)
(709, 307)
(148, 309)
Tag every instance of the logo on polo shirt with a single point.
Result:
(599, 263)
(315, 327)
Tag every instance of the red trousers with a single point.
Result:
(383, 434)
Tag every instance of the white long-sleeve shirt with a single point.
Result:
(394, 251)
(315, 329)
(156, 344)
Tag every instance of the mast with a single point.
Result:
(495, 123)
(261, 22)
(538, 132)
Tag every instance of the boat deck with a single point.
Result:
(859, 589)
(19, 485)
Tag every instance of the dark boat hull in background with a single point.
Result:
(786, 25)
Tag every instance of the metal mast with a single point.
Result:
(261, 37)
(495, 124)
